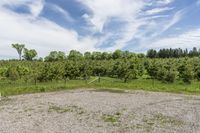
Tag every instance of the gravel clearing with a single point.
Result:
(92, 111)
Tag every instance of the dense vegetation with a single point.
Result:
(120, 65)
(166, 70)
(173, 53)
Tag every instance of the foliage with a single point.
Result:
(172, 66)
(19, 48)
(165, 70)
(75, 55)
(123, 65)
(29, 54)
(175, 53)
(56, 56)
(186, 72)
(128, 69)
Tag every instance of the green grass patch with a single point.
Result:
(110, 118)
(8, 88)
(64, 109)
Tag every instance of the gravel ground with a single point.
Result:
(92, 111)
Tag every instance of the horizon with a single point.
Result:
(93, 25)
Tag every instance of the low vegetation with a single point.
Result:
(179, 72)
(111, 118)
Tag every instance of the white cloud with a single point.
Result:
(157, 10)
(60, 10)
(102, 10)
(132, 13)
(44, 35)
(41, 34)
(152, 31)
(186, 40)
(164, 2)
(35, 6)
(176, 18)
(126, 11)
(127, 34)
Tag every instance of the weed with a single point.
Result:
(59, 109)
(112, 118)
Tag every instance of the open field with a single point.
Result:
(89, 111)
(92, 66)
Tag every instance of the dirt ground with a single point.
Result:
(92, 111)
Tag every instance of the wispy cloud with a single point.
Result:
(130, 12)
(105, 9)
(40, 33)
(152, 32)
(157, 10)
(164, 2)
(186, 40)
(60, 10)
(176, 18)
(35, 7)
(125, 11)
(105, 25)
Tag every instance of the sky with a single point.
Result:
(98, 25)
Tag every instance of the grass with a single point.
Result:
(110, 118)
(64, 109)
(159, 120)
(162, 120)
(58, 109)
(8, 88)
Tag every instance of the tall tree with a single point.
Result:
(29, 54)
(19, 48)
(151, 53)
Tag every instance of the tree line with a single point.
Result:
(165, 70)
(122, 65)
(173, 53)
(118, 54)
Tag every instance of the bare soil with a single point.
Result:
(92, 111)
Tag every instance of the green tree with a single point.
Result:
(12, 73)
(29, 54)
(96, 56)
(75, 55)
(85, 70)
(117, 54)
(87, 55)
(170, 76)
(126, 70)
(19, 48)
(152, 53)
(72, 70)
(23, 72)
(106, 56)
(186, 72)
(3, 72)
(56, 56)
(152, 69)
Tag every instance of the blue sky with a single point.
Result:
(98, 25)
